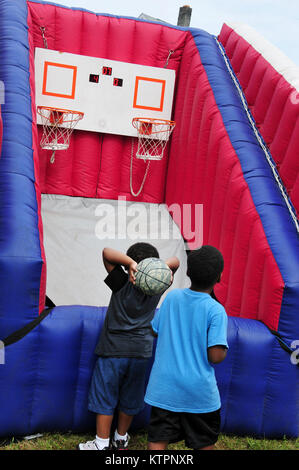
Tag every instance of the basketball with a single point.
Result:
(153, 276)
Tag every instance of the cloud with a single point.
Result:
(276, 20)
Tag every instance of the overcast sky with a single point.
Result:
(276, 20)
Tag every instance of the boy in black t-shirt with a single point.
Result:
(124, 347)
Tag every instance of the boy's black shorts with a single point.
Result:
(197, 429)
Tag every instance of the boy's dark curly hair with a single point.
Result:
(204, 266)
(140, 251)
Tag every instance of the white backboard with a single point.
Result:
(109, 93)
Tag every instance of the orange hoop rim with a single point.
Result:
(146, 120)
(59, 110)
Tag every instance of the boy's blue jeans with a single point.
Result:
(118, 382)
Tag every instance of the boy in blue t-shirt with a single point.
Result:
(192, 334)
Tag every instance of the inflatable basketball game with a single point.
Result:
(224, 113)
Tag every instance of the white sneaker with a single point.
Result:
(91, 445)
(121, 444)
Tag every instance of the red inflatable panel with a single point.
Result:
(37, 183)
(98, 165)
(204, 169)
(274, 104)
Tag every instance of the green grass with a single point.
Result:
(139, 442)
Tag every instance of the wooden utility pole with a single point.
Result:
(184, 16)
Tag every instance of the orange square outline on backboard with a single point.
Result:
(59, 95)
(163, 82)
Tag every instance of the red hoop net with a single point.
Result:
(58, 125)
(153, 135)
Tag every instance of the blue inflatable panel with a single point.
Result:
(20, 251)
(46, 376)
(256, 373)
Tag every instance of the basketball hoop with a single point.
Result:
(58, 125)
(153, 135)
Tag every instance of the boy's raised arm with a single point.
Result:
(112, 257)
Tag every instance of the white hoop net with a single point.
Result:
(58, 125)
(153, 135)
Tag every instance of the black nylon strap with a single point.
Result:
(22, 332)
(282, 343)
(49, 302)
